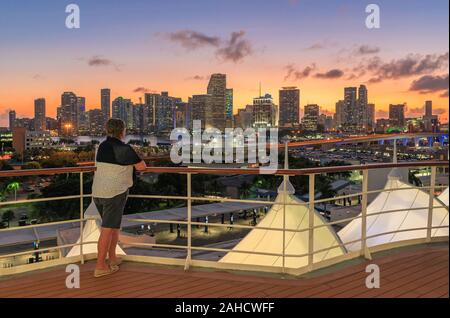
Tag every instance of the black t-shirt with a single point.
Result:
(114, 151)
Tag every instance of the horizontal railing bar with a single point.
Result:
(240, 171)
(32, 226)
(69, 197)
(58, 247)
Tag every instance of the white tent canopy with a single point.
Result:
(413, 199)
(297, 217)
(91, 233)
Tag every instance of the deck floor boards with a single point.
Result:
(419, 273)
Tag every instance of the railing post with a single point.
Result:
(365, 183)
(189, 220)
(285, 180)
(311, 222)
(81, 217)
(431, 203)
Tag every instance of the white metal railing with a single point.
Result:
(189, 198)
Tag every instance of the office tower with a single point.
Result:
(217, 89)
(289, 106)
(138, 119)
(362, 109)
(24, 140)
(397, 115)
(97, 122)
(339, 115)
(39, 114)
(265, 112)
(311, 117)
(82, 121)
(123, 109)
(105, 100)
(68, 114)
(201, 106)
(370, 117)
(244, 118)
(12, 119)
(229, 107)
(27, 123)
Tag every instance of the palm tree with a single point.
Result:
(13, 186)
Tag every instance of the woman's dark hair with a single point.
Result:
(115, 127)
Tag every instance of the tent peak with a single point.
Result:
(289, 187)
(395, 174)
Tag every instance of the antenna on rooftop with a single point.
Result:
(260, 94)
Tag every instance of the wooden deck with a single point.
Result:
(422, 272)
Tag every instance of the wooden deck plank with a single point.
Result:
(419, 273)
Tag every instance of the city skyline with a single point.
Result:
(403, 61)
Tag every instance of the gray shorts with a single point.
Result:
(111, 210)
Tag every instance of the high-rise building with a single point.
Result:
(105, 99)
(217, 89)
(201, 106)
(39, 114)
(339, 115)
(96, 122)
(428, 108)
(12, 119)
(311, 117)
(166, 113)
(351, 110)
(355, 108)
(229, 107)
(289, 99)
(362, 109)
(265, 112)
(370, 117)
(397, 115)
(68, 114)
(244, 118)
(123, 109)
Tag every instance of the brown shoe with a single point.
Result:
(104, 272)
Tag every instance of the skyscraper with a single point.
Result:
(362, 109)
(123, 109)
(428, 109)
(12, 119)
(96, 122)
(229, 107)
(105, 99)
(217, 89)
(311, 117)
(339, 119)
(39, 114)
(350, 109)
(68, 113)
(397, 115)
(370, 117)
(201, 106)
(265, 112)
(289, 106)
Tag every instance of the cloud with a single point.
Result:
(236, 48)
(411, 65)
(430, 84)
(98, 60)
(295, 74)
(440, 111)
(366, 50)
(334, 73)
(197, 78)
(191, 40)
(444, 94)
(142, 89)
(37, 77)
(315, 46)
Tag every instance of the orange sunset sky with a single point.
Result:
(146, 46)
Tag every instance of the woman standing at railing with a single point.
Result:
(115, 162)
